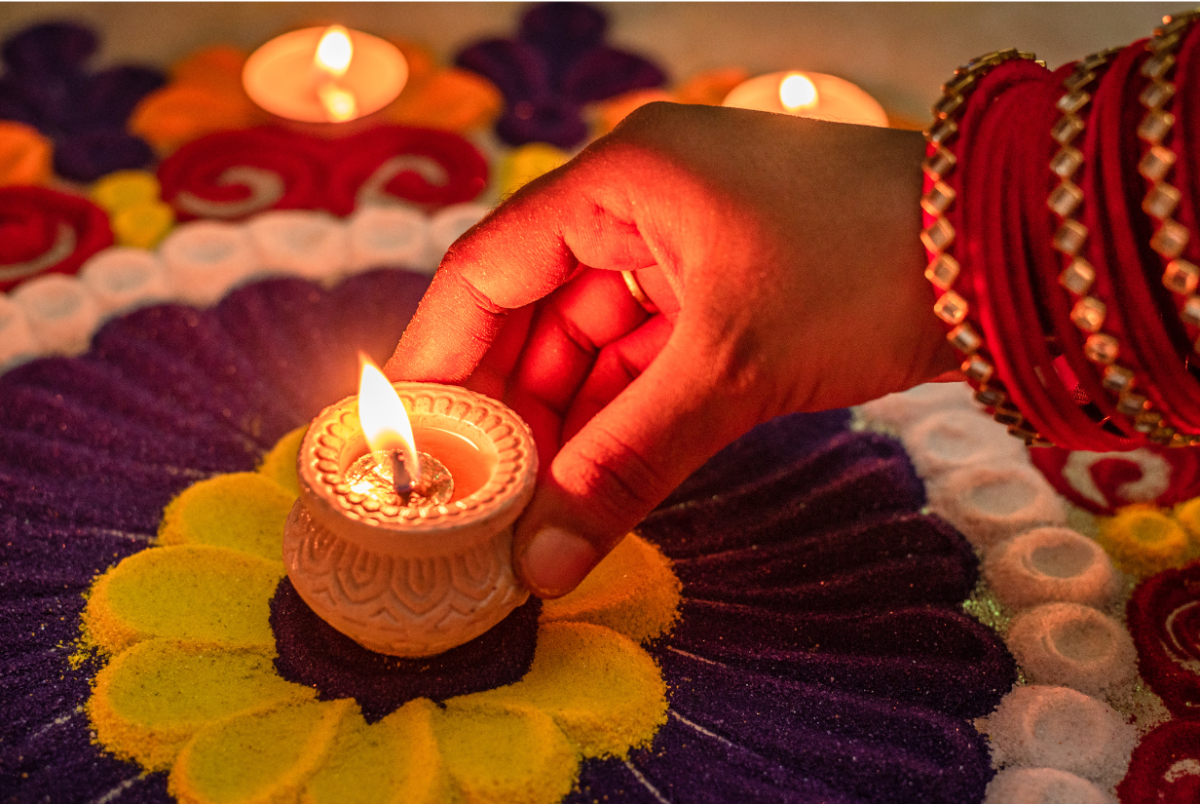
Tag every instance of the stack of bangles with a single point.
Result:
(1060, 223)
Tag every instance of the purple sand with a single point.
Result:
(313, 653)
(821, 645)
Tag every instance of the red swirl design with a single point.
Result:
(1112, 474)
(45, 231)
(230, 175)
(1164, 618)
(1165, 767)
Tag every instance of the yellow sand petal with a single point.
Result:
(603, 691)
(198, 594)
(504, 755)
(632, 591)
(280, 462)
(152, 698)
(258, 758)
(242, 511)
(143, 225)
(394, 761)
(1143, 540)
(125, 188)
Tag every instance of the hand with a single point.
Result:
(784, 254)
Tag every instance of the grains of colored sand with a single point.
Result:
(242, 511)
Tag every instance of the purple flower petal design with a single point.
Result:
(111, 95)
(557, 64)
(821, 656)
(562, 31)
(544, 119)
(50, 48)
(91, 154)
(603, 72)
(517, 69)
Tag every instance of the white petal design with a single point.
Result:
(204, 259)
(313, 245)
(391, 236)
(61, 311)
(123, 278)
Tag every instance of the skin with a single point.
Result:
(783, 254)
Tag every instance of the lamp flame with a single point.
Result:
(797, 91)
(334, 51)
(334, 54)
(384, 420)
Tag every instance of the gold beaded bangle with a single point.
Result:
(943, 269)
(1089, 312)
(1170, 237)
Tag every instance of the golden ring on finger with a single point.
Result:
(639, 295)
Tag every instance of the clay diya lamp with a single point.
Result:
(402, 535)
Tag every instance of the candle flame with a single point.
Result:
(384, 420)
(797, 91)
(340, 104)
(334, 51)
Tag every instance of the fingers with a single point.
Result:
(623, 462)
(531, 245)
(618, 365)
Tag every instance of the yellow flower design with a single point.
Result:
(191, 687)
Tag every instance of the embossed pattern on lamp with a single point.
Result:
(413, 577)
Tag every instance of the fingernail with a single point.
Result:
(556, 560)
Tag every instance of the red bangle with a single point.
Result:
(1138, 320)
(1066, 280)
(998, 180)
(981, 81)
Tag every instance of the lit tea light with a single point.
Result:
(393, 471)
(815, 95)
(325, 75)
(402, 536)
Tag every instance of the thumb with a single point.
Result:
(620, 465)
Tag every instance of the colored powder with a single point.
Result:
(1142, 540)
(604, 692)
(394, 761)
(242, 511)
(505, 755)
(259, 758)
(153, 697)
(123, 189)
(201, 594)
(314, 653)
(632, 591)
(280, 463)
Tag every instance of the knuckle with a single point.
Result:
(617, 480)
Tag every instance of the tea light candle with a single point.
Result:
(410, 574)
(324, 75)
(815, 95)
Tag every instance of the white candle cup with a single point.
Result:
(1043, 786)
(1073, 646)
(1048, 564)
(448, 224)
(828, 98)
(412, 581)
(304, 243)
(991, 504)
(124, 278)
(205, 259)
(282, 78)
(61, 311)
(1036, 726)
(17, 343)
(389, 236)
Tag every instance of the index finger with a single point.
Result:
(532, 244)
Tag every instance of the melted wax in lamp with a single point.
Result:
(822, 97)
(325, 75)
